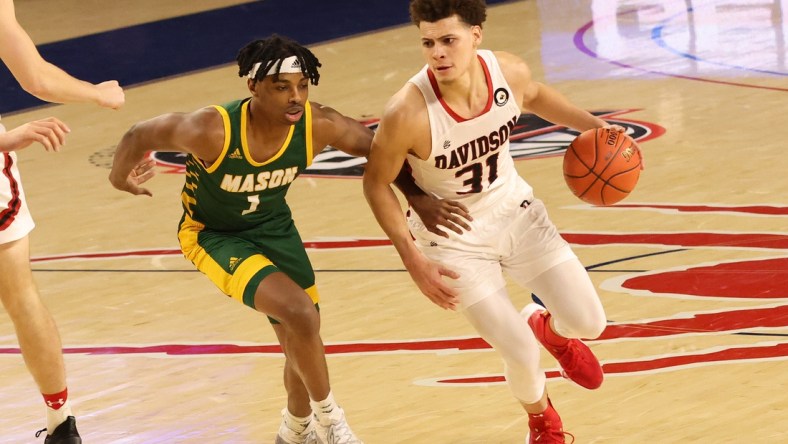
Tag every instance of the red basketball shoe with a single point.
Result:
(546, 428)
(577, 360)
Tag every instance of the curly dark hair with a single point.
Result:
(273, 50)
(472, 12)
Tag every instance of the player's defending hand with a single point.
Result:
(621, 129)
(141, 173)
(50, 132)
(428, 276)
(441, 213)
(111, 95)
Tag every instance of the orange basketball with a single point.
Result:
(602, 166)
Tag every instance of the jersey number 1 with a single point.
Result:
(254, 202)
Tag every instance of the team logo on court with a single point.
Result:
(501, 96)
(531, 138)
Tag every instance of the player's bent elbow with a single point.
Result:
(36, 87)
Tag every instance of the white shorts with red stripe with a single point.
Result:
(15, 219)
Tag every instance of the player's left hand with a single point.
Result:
(621, 129)
(441, 213)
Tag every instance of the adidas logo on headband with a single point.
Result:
(290, 65)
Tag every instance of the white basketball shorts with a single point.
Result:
(516, 236)
(15, 219)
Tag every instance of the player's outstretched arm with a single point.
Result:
(43, 79)
(200, 133)
(354, 138)
(330, 127)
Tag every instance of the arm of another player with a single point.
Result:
(50, 132)
(200, 133)
(386, 158)
(434, 213)
(41, 78)
(350, 136)
(330, 127)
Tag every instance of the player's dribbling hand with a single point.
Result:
(111, 95)
(428, 276)
(441, 213)
(50, 132)
(621, 129)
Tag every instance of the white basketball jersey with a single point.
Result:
(470, 160)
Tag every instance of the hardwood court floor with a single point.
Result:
(692, 267)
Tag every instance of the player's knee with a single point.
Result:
(22, 304)
(590, 327)
(301, 318)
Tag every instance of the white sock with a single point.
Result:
(327, 409)
(57, 417)
(295, 423)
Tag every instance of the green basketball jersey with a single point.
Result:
(237, 193)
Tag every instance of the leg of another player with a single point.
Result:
(499, 323)
(297, 394)
(297, 416)
(572, 300)
(36, 331)
(299, 332)
(573, 312)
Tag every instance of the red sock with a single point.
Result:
(56, 400)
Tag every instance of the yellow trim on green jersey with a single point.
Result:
(187, 235)
(309, 149)
(227, 134)
(233, 285)
(313, 294)
(245, 142)
(244, 273)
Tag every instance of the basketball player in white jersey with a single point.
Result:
(452, 123)
(36, 331)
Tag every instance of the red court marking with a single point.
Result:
(694, 323)
(314, 245)
(769, 210)
(752, 240)
(757, 279)
(741, 240)
(650, 365)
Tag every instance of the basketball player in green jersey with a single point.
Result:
(236, 226)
